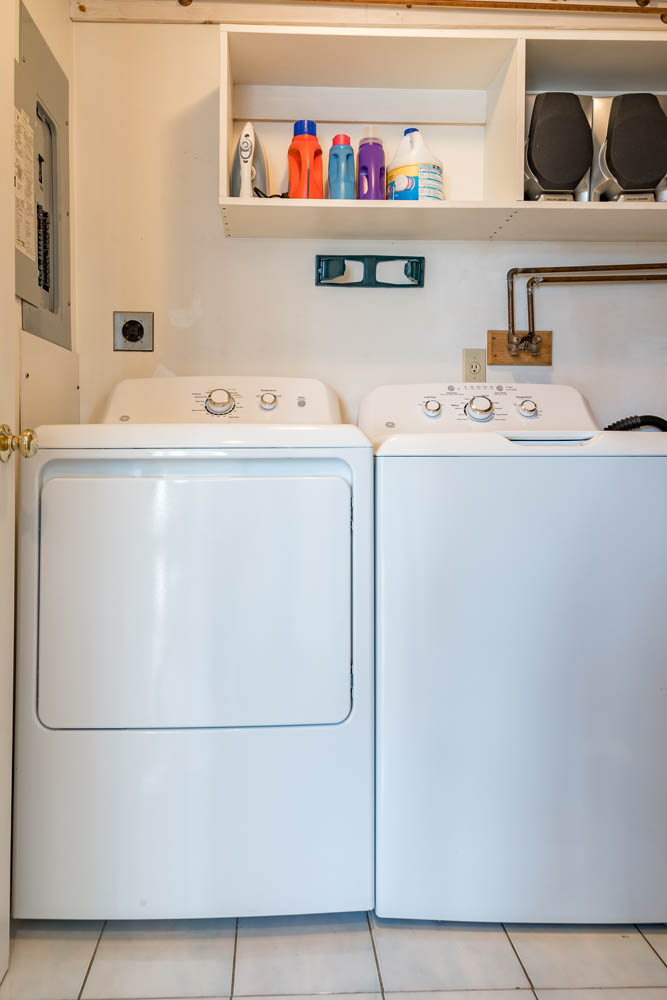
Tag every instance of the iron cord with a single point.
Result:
(262, 194)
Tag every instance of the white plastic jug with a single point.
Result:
(415, 173)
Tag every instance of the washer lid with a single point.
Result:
(600, 444)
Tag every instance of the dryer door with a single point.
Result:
(201, 602)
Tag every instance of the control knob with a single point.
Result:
(432, 408)
(219, 402)
(528, 408)
(268, 400)
(479, 408)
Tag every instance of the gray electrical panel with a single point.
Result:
(41, 187)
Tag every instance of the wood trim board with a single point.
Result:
(374, 13)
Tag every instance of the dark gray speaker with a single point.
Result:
(630, 132)
(559, 146)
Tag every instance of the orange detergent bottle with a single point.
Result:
(305, 162)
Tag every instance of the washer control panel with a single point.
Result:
(455, 407)
(227, 399)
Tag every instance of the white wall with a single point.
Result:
(149, 237)
(49, 374)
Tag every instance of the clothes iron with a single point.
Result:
(249, 165)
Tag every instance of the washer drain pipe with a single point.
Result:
(634, 423)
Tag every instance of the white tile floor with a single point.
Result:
(353, 956)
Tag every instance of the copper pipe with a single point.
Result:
(577, 279)
(514, 343)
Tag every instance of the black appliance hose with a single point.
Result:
(634, 423)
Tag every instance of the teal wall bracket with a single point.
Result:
(331, 270)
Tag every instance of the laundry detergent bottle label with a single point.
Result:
(415, 182)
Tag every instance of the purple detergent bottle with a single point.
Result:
(372, 181)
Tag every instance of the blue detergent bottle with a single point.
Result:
(341, 168)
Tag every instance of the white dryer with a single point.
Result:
(521, 658)
(194, 732)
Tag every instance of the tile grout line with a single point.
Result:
(236, 942)
(375, 953)
(655, 952)
(518, 958)
(425, 992)
(457, 990)
(376, 993)
(92, 959)
(469, 989)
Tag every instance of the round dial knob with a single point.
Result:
(268, 400)
(528, 408)
(219, 402)
(432, 407)
(480, 408)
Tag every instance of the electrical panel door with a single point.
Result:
(41, 187)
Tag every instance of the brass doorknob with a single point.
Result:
(25, 443)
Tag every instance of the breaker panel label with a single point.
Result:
(24, 184)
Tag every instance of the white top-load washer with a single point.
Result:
(521, 657)
(195, 672)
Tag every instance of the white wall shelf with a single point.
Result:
(596, 222)
(521, 221)
(465, 89)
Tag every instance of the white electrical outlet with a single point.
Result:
(474, 364)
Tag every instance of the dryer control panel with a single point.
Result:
(244, 399)
(455, 407)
